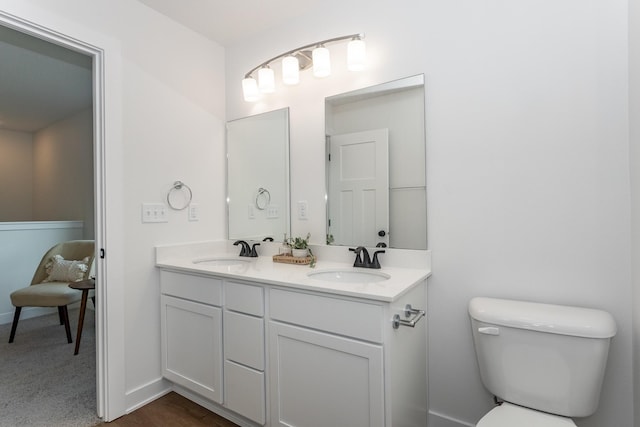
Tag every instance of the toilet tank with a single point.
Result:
(546, 357)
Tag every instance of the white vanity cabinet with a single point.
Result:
(293, 357)
(191, 328)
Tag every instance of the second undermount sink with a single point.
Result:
(349, 276)
(221, 262)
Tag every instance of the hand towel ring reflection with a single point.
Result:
(263, 198)
(177, 187)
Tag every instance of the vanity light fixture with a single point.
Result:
(314, 54)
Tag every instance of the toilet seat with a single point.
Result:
(510, 415)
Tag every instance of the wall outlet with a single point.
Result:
(251, 211)
(194, 212)
(154, 212)
(303, 209)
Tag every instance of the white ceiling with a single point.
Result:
(225, 21)
(42, 83)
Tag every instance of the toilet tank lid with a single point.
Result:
(550, 318)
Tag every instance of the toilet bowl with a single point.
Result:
(545, 362)
(509, 415)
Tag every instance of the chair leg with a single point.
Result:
(16, 316)
(60, 315)
(67, 327)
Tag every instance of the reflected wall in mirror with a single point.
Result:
(376, 166)
(258, 176)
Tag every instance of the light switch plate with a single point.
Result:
(154, 212)
(272, 212)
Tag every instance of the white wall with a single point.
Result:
(169, 83)
(634, 161)
(63, 171)
(16, 176)
(528, 162)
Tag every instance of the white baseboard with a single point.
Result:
(146, 393)
(29, 312)
(440, 420)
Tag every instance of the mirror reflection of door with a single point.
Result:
(359, 188)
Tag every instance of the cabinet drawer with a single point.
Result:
(349, 318)
(244, 298)
(245, 391)
(244, 339)
(206, 290)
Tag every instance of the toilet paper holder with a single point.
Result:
(408, 312)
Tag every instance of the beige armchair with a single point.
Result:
(56, 292)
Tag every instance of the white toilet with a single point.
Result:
(546, 362)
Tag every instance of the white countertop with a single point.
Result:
(264, 270)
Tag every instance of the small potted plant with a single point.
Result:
(300, 246)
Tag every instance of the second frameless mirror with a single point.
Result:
(376, 166)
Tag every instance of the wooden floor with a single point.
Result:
(170, 410)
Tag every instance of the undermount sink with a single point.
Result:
(349, 276)
(221, 262)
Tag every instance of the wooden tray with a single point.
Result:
(288, 259)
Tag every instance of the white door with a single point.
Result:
(359, 188)
(322, 380)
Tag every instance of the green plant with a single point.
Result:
(300, 242)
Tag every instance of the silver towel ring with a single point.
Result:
(263, 198)
(178, 186)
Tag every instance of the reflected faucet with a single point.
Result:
(253, 253)
(365, 260)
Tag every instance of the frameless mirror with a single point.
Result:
(258, 176)
(376, 166)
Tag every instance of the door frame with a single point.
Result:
(110, 367)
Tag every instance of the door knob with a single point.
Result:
(382, 233)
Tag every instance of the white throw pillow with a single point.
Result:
(61, 270)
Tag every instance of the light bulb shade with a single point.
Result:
(321, 62)
(290, 70)
(266, 80)
(250, 89)
(356, 55)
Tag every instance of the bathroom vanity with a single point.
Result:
(273, 344)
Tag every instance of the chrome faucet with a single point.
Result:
(246, 250)
(365, 261)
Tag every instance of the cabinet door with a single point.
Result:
(320, 380)
(192, 346)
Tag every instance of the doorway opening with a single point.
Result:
(97, 169)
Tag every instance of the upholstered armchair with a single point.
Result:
(62, 264)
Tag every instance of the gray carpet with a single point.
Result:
(41, 382)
